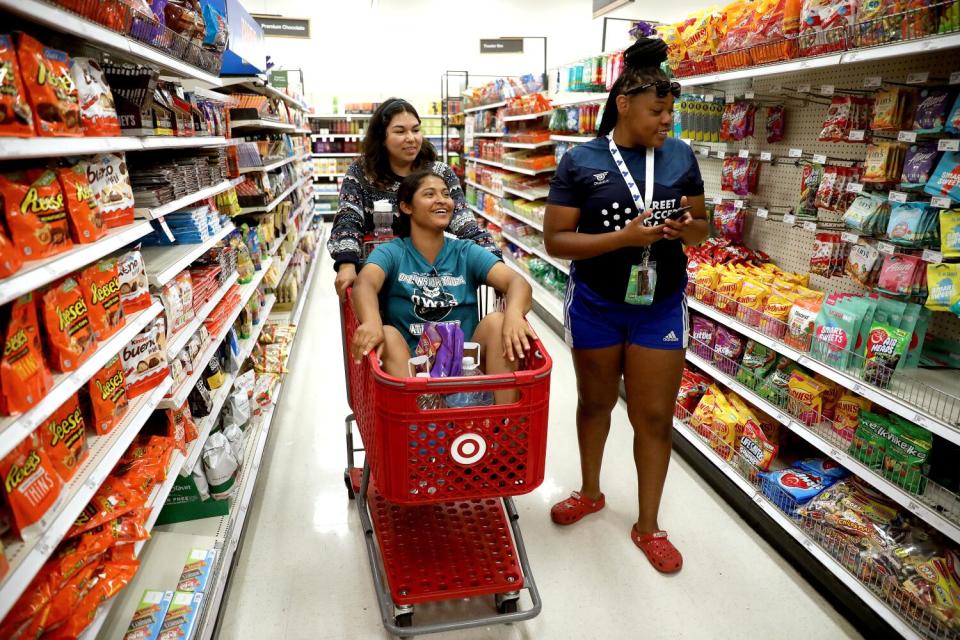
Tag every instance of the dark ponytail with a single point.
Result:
(641, 64)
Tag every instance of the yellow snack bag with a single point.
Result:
(806, 398)
(847, 414)
(727, 290)
(751, 300)
(703, 415)
(705, 284)
(943, 283)
(725, 427)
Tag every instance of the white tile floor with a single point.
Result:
(303, 573)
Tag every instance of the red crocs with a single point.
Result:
(661, 553)
(574, 508)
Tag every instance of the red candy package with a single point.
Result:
(66, 319)
(728, 349)
(24, 377)
(101, 291)
(776, 123)
(35, 214)
(16, 118)
(31, 484)
(85, 220)
(50, 88)
(114, 499)
(108, 396)
(64, 439)
(10, 260)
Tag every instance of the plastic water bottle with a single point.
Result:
(382, 219)
(470, 398)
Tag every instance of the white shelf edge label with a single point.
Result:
(852, 238)
(940, 202)
(762, 213)
(886, 247)
(789, 219)
(766, 156)
(749, 95)
(705, 152)
(718, 200)
(803, 88)
(708, 97)
(795, 153)
(810, 225)
(729, 98)
(855, 187)
(897, 196)
(929, 255)
(819, 158)
(948, 145)
(955, 77)
(918, 77)
(744, 153)
(907, 136)
(738, 204)
(827, 90)
(856, 135)
(872, 82)
(720, 153)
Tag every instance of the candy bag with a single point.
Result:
(776, 123)
(134, 289)
(847, 414)
(98, 115)
(824, 468)
(101, 291)
(908, 448)
(24, 377)
(919, 164)
(702, 337)
(108, 396)
(809, 184)
(66, 320)
(756, 447)
(950, 233)
(145, 359)
(50, 88)
(31, 485)
(897, 273)
(728, 349)
(800, 323)
(113, 499)
(64, 439)
(16, 119)
(946, 177)
(86, 223)
(931, 115)
(788, 488)
(35, 214)
(863, 263)
(836, 331)
(943, 282)
(110, 181)
(758, 360)
(886, 345)
(806, 398)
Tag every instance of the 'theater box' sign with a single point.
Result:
(274, 26)
(501, 45)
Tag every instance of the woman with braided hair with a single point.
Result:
(621, 207)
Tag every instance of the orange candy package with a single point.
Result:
(50, 88)
(108, 396)
(101, 292)
(64, 438)
(181, 428)
(10, 260)
(35, 214)
(31, 485)
(112, 500)
(111, 578)
(66, 320)
(24, 377)
(58, 610)
(86, 222)
(16, 118)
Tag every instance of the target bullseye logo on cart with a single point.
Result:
(468, 448)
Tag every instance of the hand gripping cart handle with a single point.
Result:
(434, 492)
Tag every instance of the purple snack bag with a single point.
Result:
(448, 361)
(919, 164)
(727, 350)
(932, 110)
(702, 337)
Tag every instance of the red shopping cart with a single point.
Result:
(434, 492)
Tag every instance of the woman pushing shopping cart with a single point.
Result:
(443, 455)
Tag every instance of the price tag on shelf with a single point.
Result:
(835, 454)
(720, 153)
(349, 118)
(948, 145)
(819, 158)
(738, 204)
(826, 90)
(810, 225)
(803, 88)
(913, 506)
(776, 88)
(744, 153)
(803, 361)
(852, 238)
(854, 187)
(872, 82)
(955, 77)
(782, 418)
(704, 151)
(940, 202)
(795, 153)
(324, 132)
(886, 247)
(858, 388)
(907, 136)
(790, 219)
(749, 95)
(918, 77)
(718, 200)
(708, 97)
(929, 255)
(856, 135)
(766, 156)
(758, 498)
(762, 213)
(897, 196)
(729, 98)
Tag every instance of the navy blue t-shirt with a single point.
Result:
(588, 179)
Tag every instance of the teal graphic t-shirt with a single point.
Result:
(417, 292)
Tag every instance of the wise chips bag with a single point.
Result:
(24, 377)
(64, 438)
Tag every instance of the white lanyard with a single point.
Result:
(641, 202)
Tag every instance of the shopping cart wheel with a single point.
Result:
(403, 616)
(507, 602)
(349, 482)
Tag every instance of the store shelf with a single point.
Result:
(527, 116)
(63, 21)
(27, 558)
(509, 167)
(329, 175)
(263, 124)
(571, 138)
(859, 589)
(539, 194)
(179, 395)
(164, 263)
(37, 147)
(342, 116)
(490, 134)
(483, 214)
(184, 202)
(548, 301)
(335, 155)
(479, 186)
(528, 145)
(511, 214)
(273, 166)
(38, 273)
(356, 137)
(928, 513)
(540, 253)
(205, 426)
(14, 429)
(571, 98)
(913, 412)
(486, 107)
(276, 201)
(179, 340)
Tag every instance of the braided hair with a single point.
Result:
(641, 64)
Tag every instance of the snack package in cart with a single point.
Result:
(442, 342)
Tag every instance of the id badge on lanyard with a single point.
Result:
(643, 277)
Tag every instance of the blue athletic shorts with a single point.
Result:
(593, 322)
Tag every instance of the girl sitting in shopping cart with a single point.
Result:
(424, 276)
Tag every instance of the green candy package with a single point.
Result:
(757, 362)
(886, 346)
(889, 311)
(837, 330)
(907, 451)
(869, 442)
(774, 387)
(916, 319)
(868, 307)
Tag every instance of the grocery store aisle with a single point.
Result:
(303, 571)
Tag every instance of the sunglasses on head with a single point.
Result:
(663, 87)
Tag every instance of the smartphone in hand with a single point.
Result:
(658, 217)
